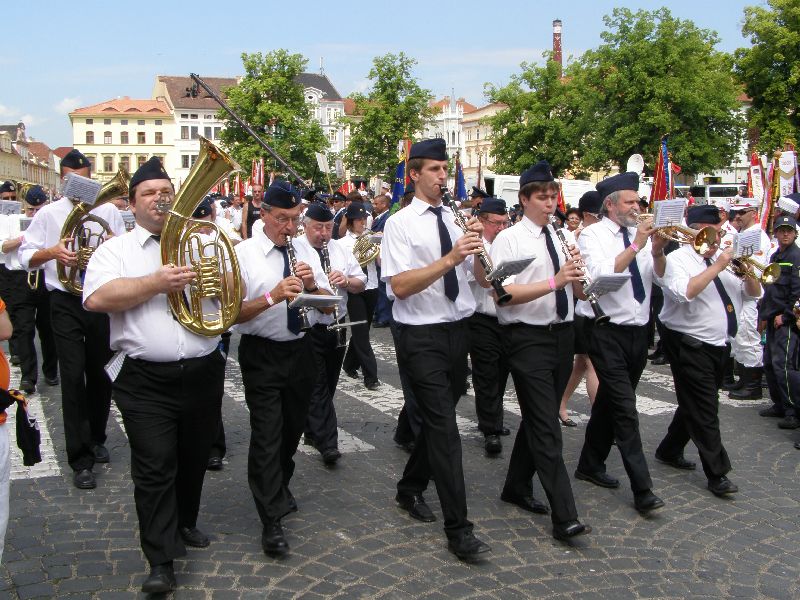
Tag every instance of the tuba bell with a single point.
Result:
(83, 240)
(365, 250)
(211, 255)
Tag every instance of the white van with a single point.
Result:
(507, 188)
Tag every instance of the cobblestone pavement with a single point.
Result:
(349, 540)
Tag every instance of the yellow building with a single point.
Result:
(477, 142)
(124, 132)
(10, 161)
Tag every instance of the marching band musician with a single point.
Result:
(251, 211)
(618, 349)
(347, 278)
(81, 336)
(8, 191)
(169, 384)
(539, 345)
(361, 306)
(29, 309)
(701, 303)
(489, 362)
(275, 356)
(423, 255)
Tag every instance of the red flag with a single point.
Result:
(346, 188)
(659, 189)
(562, 206)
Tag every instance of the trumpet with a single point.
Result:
(766, 274)
(701, 240)
(306, 324)
(600, 317)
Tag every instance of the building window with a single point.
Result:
(332, 136)
(184, 161)
(184, 116)
(194, 159)
(108, 164)
(478, 133)
(90, 137)
(125, 162)
(140, 137)
(194, 135)
(159, 137)
(123, 137)
(217, 131)
(106, 121)
(209, 116)
(140, 122)
(123, 122)
(92, 159)
(184, 132)
(193, 116)
(159, 122)
(140, 160)
(207, 132)
(89, 121)
(107, 137)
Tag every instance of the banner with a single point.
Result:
(461, 186)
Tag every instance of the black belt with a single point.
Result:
(615, 326)
(170, 363)
(485, 316)
(550, 327)
(445, 326)
(268, 341)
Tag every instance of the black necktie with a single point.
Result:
(293, 320)
(562, 304)
(636, 277)
(156, 237)
(450, 278)
(733, 326)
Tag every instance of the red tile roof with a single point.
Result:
(40, 150)
(446, 102)
(125, 105)
(62, 151)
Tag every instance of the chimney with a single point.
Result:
(557, 42)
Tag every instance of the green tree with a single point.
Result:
(395, 108)
(539, 123)
(656, 74)
(770, 71)
(269, 99)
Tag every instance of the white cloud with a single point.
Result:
(9, 113)
(67, 105)
(32, 120)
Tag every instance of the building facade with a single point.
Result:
(124, 132)
(477, 142)
(327, 108)
(446, 124)
(26, 160)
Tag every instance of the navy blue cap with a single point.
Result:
(539, 172)
(152, 169)
(590, 202)
(702, 213)
(785, 221)
(495, 206)
(478, 193)
(203, 209)
(356, 210)
(281, 194)
(8, 186)
(617, 183)
(319, 212)
(435, 149)
(309, 194)
(410, 189)
(338, 197)
(75, 160)
(36, 196)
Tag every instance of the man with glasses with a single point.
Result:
(489, 362)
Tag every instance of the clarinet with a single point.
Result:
(502, 295)
(600, 318)
(341, 334)
(303, 310)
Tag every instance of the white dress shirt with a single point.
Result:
(600, 243)
(341, 260)
(523, 239)
(261, 265)
(10, 230)
(348, 242)
(45, 232)
(411, 241)
(147, 331)
(703, 317)
(484, 302)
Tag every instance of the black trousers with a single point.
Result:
(5, 286)
(489, 371)
(656, 304)
(218, 448)
(29, 311)
(540, 360)
(619, 355)
(697, 372)
(321, 425)
(436, 359)
(171, 414)
(82, 343)
(361, 307)
(409, 421)
(278, 378)
(782, 367)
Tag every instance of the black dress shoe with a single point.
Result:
(291, 500)
(84, 479)
(330, 456)
(466, 546)
(505, 431)
(373, 385)
(772, 411)
(679, 462)
(602, 479)
(407, 446)
(528, 503)
(797, 445)
(567, 422)
(27, 386)
(416, 507)
(351, 374)
(214, 463)
(646, 501)
(14, 360)
(722, 486)
(789, 422)
(161, 580)
(492, 444)
(380, 324)
(101, 454)
(570, 529)
(272, 540)
(52, 381)
(193, 537)
(659, 360)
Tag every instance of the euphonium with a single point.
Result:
(183, 243)
(82, 239)
(365, 250)
(701, 240)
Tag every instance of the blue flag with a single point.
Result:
(461, 186)
(399, 187)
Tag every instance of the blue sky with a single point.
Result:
(55, 58)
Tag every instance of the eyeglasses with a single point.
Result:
(496, 223)
(285, 220)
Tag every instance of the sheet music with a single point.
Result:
(10, 207)
(114, 366)
(315, 301)
(605, 284)
(747, 243)
(24, 223)
(667, 213)
(509, 268)
(81, 188)
(128, 218)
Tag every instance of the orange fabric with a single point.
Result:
(5, 371)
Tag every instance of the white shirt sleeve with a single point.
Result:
(502, 251)
(594, 253)
(395, 251)
(676, 278)
(35, 239)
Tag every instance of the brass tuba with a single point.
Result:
(84, 241)
(211, 256)
(365, 250)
